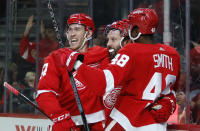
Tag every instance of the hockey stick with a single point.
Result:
(23, 97)
(61, 45)
(55, 24)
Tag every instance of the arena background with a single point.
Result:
(179, 27)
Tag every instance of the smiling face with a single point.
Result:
(114, 37)
(76, 34)
(180, 97)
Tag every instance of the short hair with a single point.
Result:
(48, 24)
(30, 75)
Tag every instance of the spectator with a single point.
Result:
(195, 65)
(196, 109)
(28, 91)
(29, 79)
(12, 74)
(47, 43)
(181, 99)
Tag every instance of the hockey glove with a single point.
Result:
(68, 57)
(162, 109)
(62, 121)
(73, 58)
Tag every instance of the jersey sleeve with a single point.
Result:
(122, 66)
(26, 47)
(48, 87)
(49, 103)
(50, 76)
(104, 81)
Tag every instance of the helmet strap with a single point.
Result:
(121, 42)
(84, 41)
(67, 36)
(133, 39)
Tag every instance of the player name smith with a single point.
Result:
(163, 60)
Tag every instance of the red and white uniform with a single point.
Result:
(145, 72)
(27, 48)
(55, 93)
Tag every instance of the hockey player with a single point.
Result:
(117, 37)
(55, 94)
(148, 73)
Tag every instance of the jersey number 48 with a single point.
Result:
(156, 84)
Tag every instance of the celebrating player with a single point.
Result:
(148, 73)
(117, 37)
(55, 94)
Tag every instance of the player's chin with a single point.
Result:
(112, 54)
(74, 48)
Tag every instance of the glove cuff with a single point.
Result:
(73, 57)
(60, 117)
(77, 64)
(172, 103)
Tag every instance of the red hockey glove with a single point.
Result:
(73, 57)
(162, 109)
(68, 57)
(62, 122)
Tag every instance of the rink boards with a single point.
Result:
(24, 122)
(18, 122)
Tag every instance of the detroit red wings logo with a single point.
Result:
(78, 84)
(110, 98)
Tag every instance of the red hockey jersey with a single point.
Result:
(55, 79)
(145, 72)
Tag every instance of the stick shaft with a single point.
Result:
(85, 124)
(23, 97)
(55, 24)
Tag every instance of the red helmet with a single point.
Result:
(83, 19)
(146, 19)
(121, 25)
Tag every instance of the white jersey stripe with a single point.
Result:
(109, 81)
(110, 126)
(91, 118)
(125, 123)
(121, 119)
(45, 91)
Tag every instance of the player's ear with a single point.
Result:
(89, 34)
(135, 31)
